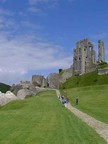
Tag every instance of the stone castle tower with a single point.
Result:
(84, 59)
(101, 51)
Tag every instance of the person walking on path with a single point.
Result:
(76, 100)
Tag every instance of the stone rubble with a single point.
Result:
(7, 97)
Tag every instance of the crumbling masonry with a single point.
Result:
(84, 59)
(101, 51)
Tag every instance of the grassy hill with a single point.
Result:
(92, 90)
(85, 80)
(4, 87)
(93, 100)
(43, 120)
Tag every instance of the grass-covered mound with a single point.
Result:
(85, 80)
(102, 65)
(43, 120)
(4, 87)
(92, 100)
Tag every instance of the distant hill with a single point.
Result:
(4, 87)
(85, 80)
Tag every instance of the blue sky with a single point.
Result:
(38, 36)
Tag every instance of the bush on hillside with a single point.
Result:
(103, 65)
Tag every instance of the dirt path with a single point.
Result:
(100, 127)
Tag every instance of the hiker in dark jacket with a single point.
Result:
(76, 100)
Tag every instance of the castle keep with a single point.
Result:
(84, 59)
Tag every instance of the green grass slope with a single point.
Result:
(43, 120)
(4, 87)
(93, 100)
(103, 65)
(85, 80)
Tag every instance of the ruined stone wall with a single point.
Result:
(53, 80)
(66, 74)
(103, 71)
(38, 80)
(84, 57)
(101, 51)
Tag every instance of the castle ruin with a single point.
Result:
(84, 59)
(101, 51)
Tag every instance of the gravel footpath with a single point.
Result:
(100, 127)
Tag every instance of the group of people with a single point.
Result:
(64, 100)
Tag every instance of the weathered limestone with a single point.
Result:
(66, 74)
(15, 88)
(84, 60)
(101, 51)
(84, 57)
(25, 84)
(103, 71)
(53, 80)
(44, 83)
(38, 80)
(41, 89)
(24, 93)
(6, 97)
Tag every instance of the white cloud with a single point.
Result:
(7, 21)
(25, 52)
(32, 2)
(3, 0)
(35, 9)
(30, 25)
(49, 2)
(6, 12)
(39, 6)
(19, 55)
